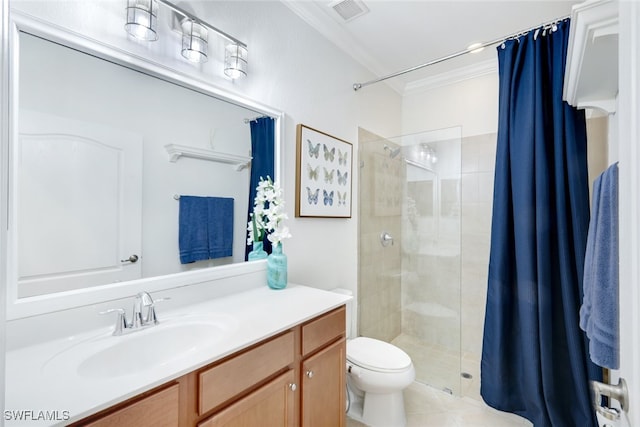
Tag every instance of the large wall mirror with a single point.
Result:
(102, 149)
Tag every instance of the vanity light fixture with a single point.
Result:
(142, 16)
(194, 41)
(142, 19)
(235, 61)
(428, 153)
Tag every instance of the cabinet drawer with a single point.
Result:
(230, 378)
(158, 410)
(323, 330)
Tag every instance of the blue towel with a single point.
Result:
(205, 228)
(193, 231)
(599, 311)
(220, 227)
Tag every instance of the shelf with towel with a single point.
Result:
(176, 151)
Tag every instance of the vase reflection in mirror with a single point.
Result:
(257, 252)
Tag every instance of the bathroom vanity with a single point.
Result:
(280, 361)
(298, 373)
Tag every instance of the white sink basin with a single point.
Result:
(107, 356)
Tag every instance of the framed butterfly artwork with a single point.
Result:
(323, 174)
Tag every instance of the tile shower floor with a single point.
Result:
(428, 407)
(441, 367)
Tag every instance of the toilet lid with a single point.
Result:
(376, 355)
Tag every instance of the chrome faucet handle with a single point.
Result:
(121, 320)
(151, 312)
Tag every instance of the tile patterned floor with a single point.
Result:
(428, 407)
(436, 365)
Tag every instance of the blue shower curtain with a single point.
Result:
(534, 355)
(262, 164)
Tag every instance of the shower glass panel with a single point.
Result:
(409, 292)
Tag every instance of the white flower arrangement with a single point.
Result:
(268, 214)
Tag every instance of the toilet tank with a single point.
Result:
(349, 305)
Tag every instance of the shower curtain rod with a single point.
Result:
(253, 119)
(420, 166)
(357, 86)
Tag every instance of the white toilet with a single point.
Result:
(377, 374)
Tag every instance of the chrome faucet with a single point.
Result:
(139, 320)
(143, 301)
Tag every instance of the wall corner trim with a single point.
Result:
(479, 69)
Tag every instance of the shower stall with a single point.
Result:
(424, 218)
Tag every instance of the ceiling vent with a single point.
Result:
(349, 9)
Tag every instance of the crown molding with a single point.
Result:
(319, 19)
(483, 68)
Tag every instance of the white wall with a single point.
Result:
(471, 104)
(291, 68)
(4, 135)
(628, 131)
(310, 79)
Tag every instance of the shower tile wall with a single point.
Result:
(379, 290)
(428, 298)
(478, 168)
(431, 273)
(431, 269)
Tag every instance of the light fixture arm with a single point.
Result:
(197, 20)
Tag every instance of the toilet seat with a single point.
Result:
(376, 355)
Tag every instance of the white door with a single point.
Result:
(78, 204)
(629, 190)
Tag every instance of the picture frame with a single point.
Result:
(324, 174)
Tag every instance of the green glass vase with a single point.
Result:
(257, 252)
(277, 268)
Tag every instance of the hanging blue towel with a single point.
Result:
(599, 311)
(193, 232)
(205, 228)
(220, 227)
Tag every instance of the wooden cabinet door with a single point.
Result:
(323, 387)
(157, 410)
(271, 405)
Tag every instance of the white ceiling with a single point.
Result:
(398, 34)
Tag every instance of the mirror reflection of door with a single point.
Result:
(160, 112)
(79, 204)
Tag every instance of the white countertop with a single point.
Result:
(32, 388)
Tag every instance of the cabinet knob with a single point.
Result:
(309, 374)
(293, 386)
